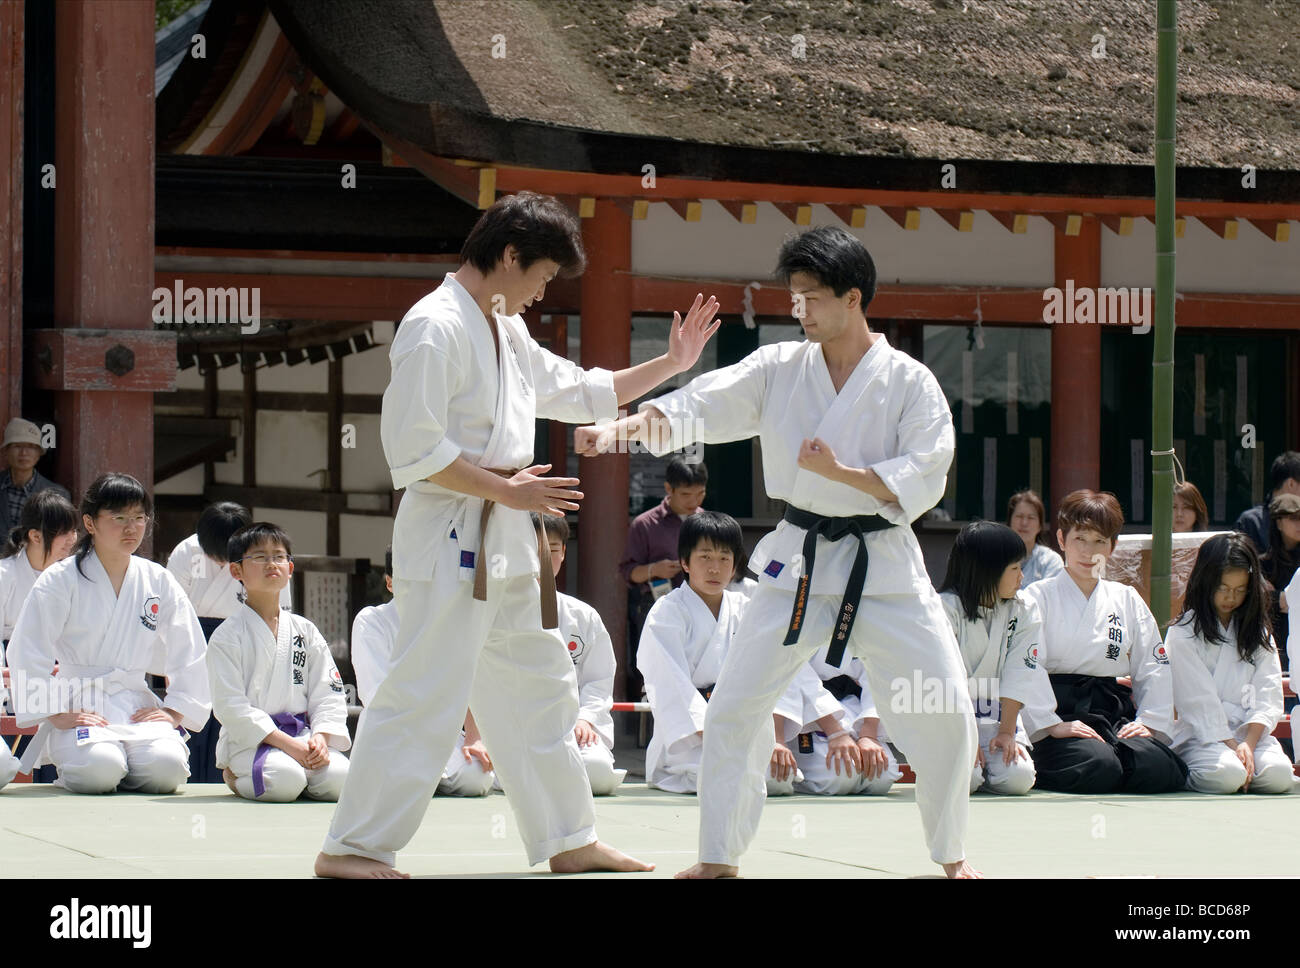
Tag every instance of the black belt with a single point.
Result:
(832, 529)
(706, 691)
(842, 686)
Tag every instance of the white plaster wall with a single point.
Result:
(1205, 263)
(365, 536)
(290, 446)
(719, 246)
(364, 466)
(306, 528)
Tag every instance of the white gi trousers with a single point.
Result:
(493, 657)
(822, 780)
(8, 765)
(462, 777)
(599, 762)
(1213, 768)
(995, 776)
(896, 637)
(285, 779)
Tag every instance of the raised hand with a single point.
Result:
(686, 338)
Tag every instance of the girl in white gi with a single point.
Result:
(857, 438)
(1227, 677)
(685, 639)
(592, 652)
(474, 590)
(998, 633)
(1112, 737)
(46, 532)
(275, 688)
(468, 772)
(199, 564)
(108, 618)
(1028, 518)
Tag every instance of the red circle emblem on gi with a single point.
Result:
(576, 647)
(1161, 654)
(149, 616)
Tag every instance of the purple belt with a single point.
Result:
(291, 723)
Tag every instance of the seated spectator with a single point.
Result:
(19, 478)
(1278, 564)
(1285, 479)
(1028, 518)
(1190, 512)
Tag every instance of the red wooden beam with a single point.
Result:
(102, 359)
(11, 203)
(1076, 372)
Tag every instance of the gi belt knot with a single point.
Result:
(550, 604)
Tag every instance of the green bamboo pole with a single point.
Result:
(1162, 362)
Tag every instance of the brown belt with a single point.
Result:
(550, 607)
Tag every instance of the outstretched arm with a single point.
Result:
(686, 339)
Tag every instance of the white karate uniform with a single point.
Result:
(1041, 563)
(1293, 639)
(104, 646)
(213, 590)
(17, 576)
(592, 652)
(1001, 652)
(374, 631)
(1111, 633)
(1218, 696)
(890, 416)
(256, 675)
(452, 393)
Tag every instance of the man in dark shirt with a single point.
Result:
(651, 551)
(1285, 476)
(19, 479)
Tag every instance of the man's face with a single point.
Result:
(522, 287)
(825, 315)
(22, 456)
(685, 499)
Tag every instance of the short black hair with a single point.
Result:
(1286, 466)
(538, 226)
(388, 561)
(980, 554)
(216, 525)
(554, 527)
(110, 492)
(48, 512)
(255, 534)
(718, 529)
(835, 258)
(683, 473)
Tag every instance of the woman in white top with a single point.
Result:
(1027, 518)
(1227, 677)
(45, 534)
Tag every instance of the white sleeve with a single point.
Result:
(716, 407)
(33, 650)
(1266, 691)
(596, 684)
(246, 724)
(188, 689)
(677, 705)
(817, 699)
(918, 476)
(367, 649)
(1023, 677)
(867, 709)
(791, 705)
(567, 392)
(1153, 684)
(327, 709)
(1195, 697)
(181, 570)
(413, 419)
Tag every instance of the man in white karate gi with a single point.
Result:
(857, 438)
(458, 424)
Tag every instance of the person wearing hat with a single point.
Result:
(20, 479)
(1278, 564)
(1284, 479)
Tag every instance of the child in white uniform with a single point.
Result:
(468, 772)
(592, 652)
(1227, 676)
(998, 632)
(109, 618)
(275, 688)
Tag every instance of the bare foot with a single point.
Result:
(353, 866)
(707, 872)
(229, 777)
(596, 857)
(962, 871)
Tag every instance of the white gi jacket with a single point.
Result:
(1002, 656)
(1111, 633)
(17, 576)
(592, 652)
(681, 651)
(214, 592)
(1218, 695)
(105, 645)
(255, 675)
(890, 416)
(452, 395)
(374, 631)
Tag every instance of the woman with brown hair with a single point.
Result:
(1190, 512)
(1028, 518)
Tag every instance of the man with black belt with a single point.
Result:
(857, 438)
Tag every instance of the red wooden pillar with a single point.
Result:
(11, 202)
(1076, 372)
(606, 342)
(104, 360)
